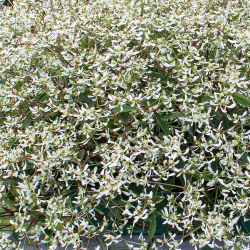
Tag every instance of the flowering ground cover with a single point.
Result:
(127, 116)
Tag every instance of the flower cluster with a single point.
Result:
(124, 117)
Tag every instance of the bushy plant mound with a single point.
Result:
(122, 117)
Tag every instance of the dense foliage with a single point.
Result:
(125, 116)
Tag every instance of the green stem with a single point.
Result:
(194, 230)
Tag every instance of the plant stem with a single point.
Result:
(52, 8)
(227, 11)
(194, 230)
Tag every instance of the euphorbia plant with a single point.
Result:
(124, 117)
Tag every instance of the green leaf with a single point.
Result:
(91, 103)
(226, 122)
(48, 231)
(215, 165)
(150, 217)
(111, 124)
(171, 116)
(241, 99)
(11, 196)
(168, 117)
(244, 155)
(157, 210)
(42, 97)
(16, 235)
(190, 132)
(136, 189)
(150, 102)
(111, 247)
(125, 108)
(170, 183)
(206, 99)
(152, 228)
(158, 75)
(161, 207)
(206, 248)
(25, 123)
(216, 116)
(114, 212)
(216, 119)
(83, 97)
(125, 117)
(161, 135)
(163, 124)
(242, 71)
(81, 154)
(99, 211)
(2, 120)
(18, 85)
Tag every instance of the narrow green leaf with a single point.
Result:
(99, 211)
(168, 117)
(159, 75)
(163, 124)
(242, 71)
(42, 97)
(241, 99)
(190, 132)
(152, 228)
